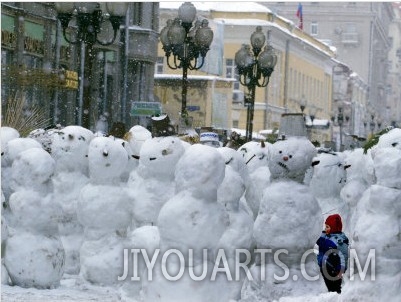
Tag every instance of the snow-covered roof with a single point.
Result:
(193, 77)
(232, 6)
(250, 22)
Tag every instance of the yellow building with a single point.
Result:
(302, 76)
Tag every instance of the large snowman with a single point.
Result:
(239, 232)
(360, 175)
(105, 212)
(70, 150)
(34, 255)
(192, 220)
(328, 178)
(289, 219)
(152, 183)
(377, 227)
(256, 156)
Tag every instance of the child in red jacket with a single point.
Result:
(333, 253)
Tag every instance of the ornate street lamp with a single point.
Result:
(83, 23)
(90, 20)
(254, 69)
(187, 43)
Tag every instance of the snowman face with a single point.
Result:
(390, 139)
(331, 168)
(107, 159)
(160, 155)
(291, 158)
(255, 154)
(70, 147)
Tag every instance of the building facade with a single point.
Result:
(360, 33)
(34, 52)
(303, 73)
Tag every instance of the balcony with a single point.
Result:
(350, 38)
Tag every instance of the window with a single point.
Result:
(159, 66)
(231, 72)
(314, 28)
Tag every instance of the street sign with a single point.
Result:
(146, 109)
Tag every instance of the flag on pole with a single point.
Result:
(300, 16)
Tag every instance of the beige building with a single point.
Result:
(360, 33)
(303, 72)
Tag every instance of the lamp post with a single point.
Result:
(254, 69)
(187, 43)
(340, 121)
(82, 23)
(372, 124)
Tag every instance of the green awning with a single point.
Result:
(7, 23)
(34, 30)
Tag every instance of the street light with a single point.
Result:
(87, 20)
(372, 124)
(254, 70)
(187, 42)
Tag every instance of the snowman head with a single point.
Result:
(330, 175)
(136, 136)
(107, 159)
(391, 139)
(70, 148)
(159, 156)
(387, 166)
(31, 169)
(201, 170)
(235, 160)
(291, 158)
(15, 147)
(255, 154)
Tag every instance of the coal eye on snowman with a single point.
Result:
(280, 152)
(290, 156)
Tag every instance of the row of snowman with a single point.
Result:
(75, 210)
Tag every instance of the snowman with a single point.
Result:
(34, 255)
(235, 160)
(256, 155)
(377, 227)
(289, 220)
(360, 175)
(70, 149)
(328, 178)
(104, 210)
(152, 183)
(190, 222)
